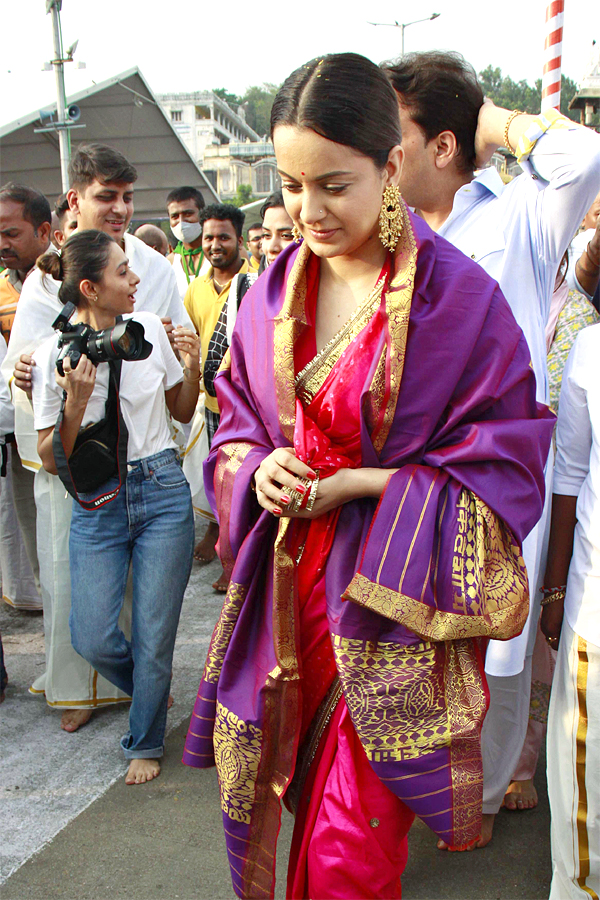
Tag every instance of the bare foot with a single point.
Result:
(170, 701)
(222, 583)
(521, 795)
(205, 550)
(142, 770)
(72, 719)
(487, 826)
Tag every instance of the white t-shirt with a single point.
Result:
(577, 474)
(142, 391)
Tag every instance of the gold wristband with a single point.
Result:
(552, 598)
(513, 115)
(187, 372)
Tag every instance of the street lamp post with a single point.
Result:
(403, 25)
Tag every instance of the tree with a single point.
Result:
(243, 195)
(232, 99)
(257, 102)
(511, 94)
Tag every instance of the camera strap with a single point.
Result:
(114, 417)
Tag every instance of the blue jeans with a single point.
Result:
(150, 524)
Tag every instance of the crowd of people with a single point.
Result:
(356, 397)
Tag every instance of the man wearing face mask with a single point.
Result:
(188, 260)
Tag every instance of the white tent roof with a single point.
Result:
(124, 113)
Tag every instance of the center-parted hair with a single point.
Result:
(345, 98)
(441, 93)
(83, 257)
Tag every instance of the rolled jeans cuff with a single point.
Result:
(141, 754)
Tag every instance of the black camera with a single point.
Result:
(125, 340)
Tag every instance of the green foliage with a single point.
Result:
(257, 102)
(511, 94)
(243, 195)
(232, 99)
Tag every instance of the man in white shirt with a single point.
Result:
(101, 196)
(574, 567)
(518, 233)
(584, 254)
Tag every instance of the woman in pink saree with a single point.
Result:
(378, 463)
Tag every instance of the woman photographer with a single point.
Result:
(149, 523)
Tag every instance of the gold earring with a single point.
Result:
(390, 217)
(296, 234)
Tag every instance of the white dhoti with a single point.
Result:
(193, 460)
(574, 769)
(69, 681)
(18, 557)
(508, 671)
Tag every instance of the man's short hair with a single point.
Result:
(254, 226)
(224, 212)
(441, 93)
(99, 162)
(274, 199)
(178, 195)
(36, 209)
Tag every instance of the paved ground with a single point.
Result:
(71, 828)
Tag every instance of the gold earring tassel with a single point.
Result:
(296, 234)
(390, 217)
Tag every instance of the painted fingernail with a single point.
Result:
(301, 488)
(285, 499)
(277, 511)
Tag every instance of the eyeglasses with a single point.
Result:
(255, 240)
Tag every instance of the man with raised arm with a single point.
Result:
(518, 233)
(101, 196)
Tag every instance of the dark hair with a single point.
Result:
(36, 209)
(177, 195)
(224, 212)
(275, 199)
(345, 98)
(61, 207)
(83, 256)
(562, 269)
(92, 162)
(254, 226)
(441, 92)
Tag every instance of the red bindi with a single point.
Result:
(302, 173)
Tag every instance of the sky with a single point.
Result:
(198, 46)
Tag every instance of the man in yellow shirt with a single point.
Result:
(206, 304)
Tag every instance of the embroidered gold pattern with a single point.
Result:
(287, 328)
(234, 600)
(284, 632)
(313, 375)
(229, 460)
(488, 570)
(465, 698)
(488, 577)
(237, 755)
(395, 695)
(398, 301)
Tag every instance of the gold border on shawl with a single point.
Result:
(310, 380)
(229, 460)
(234, 600)
(466, 706)
(398, 302)
(288, 325)
(435, 624)
(310, 744)
(282, 711)
(580, 768)
(284, 624)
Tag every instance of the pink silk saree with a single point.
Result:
(436, 372)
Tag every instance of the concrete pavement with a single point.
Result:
(71, 828)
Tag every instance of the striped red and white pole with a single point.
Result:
(555, 10)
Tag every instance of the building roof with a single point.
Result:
(124, 113)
